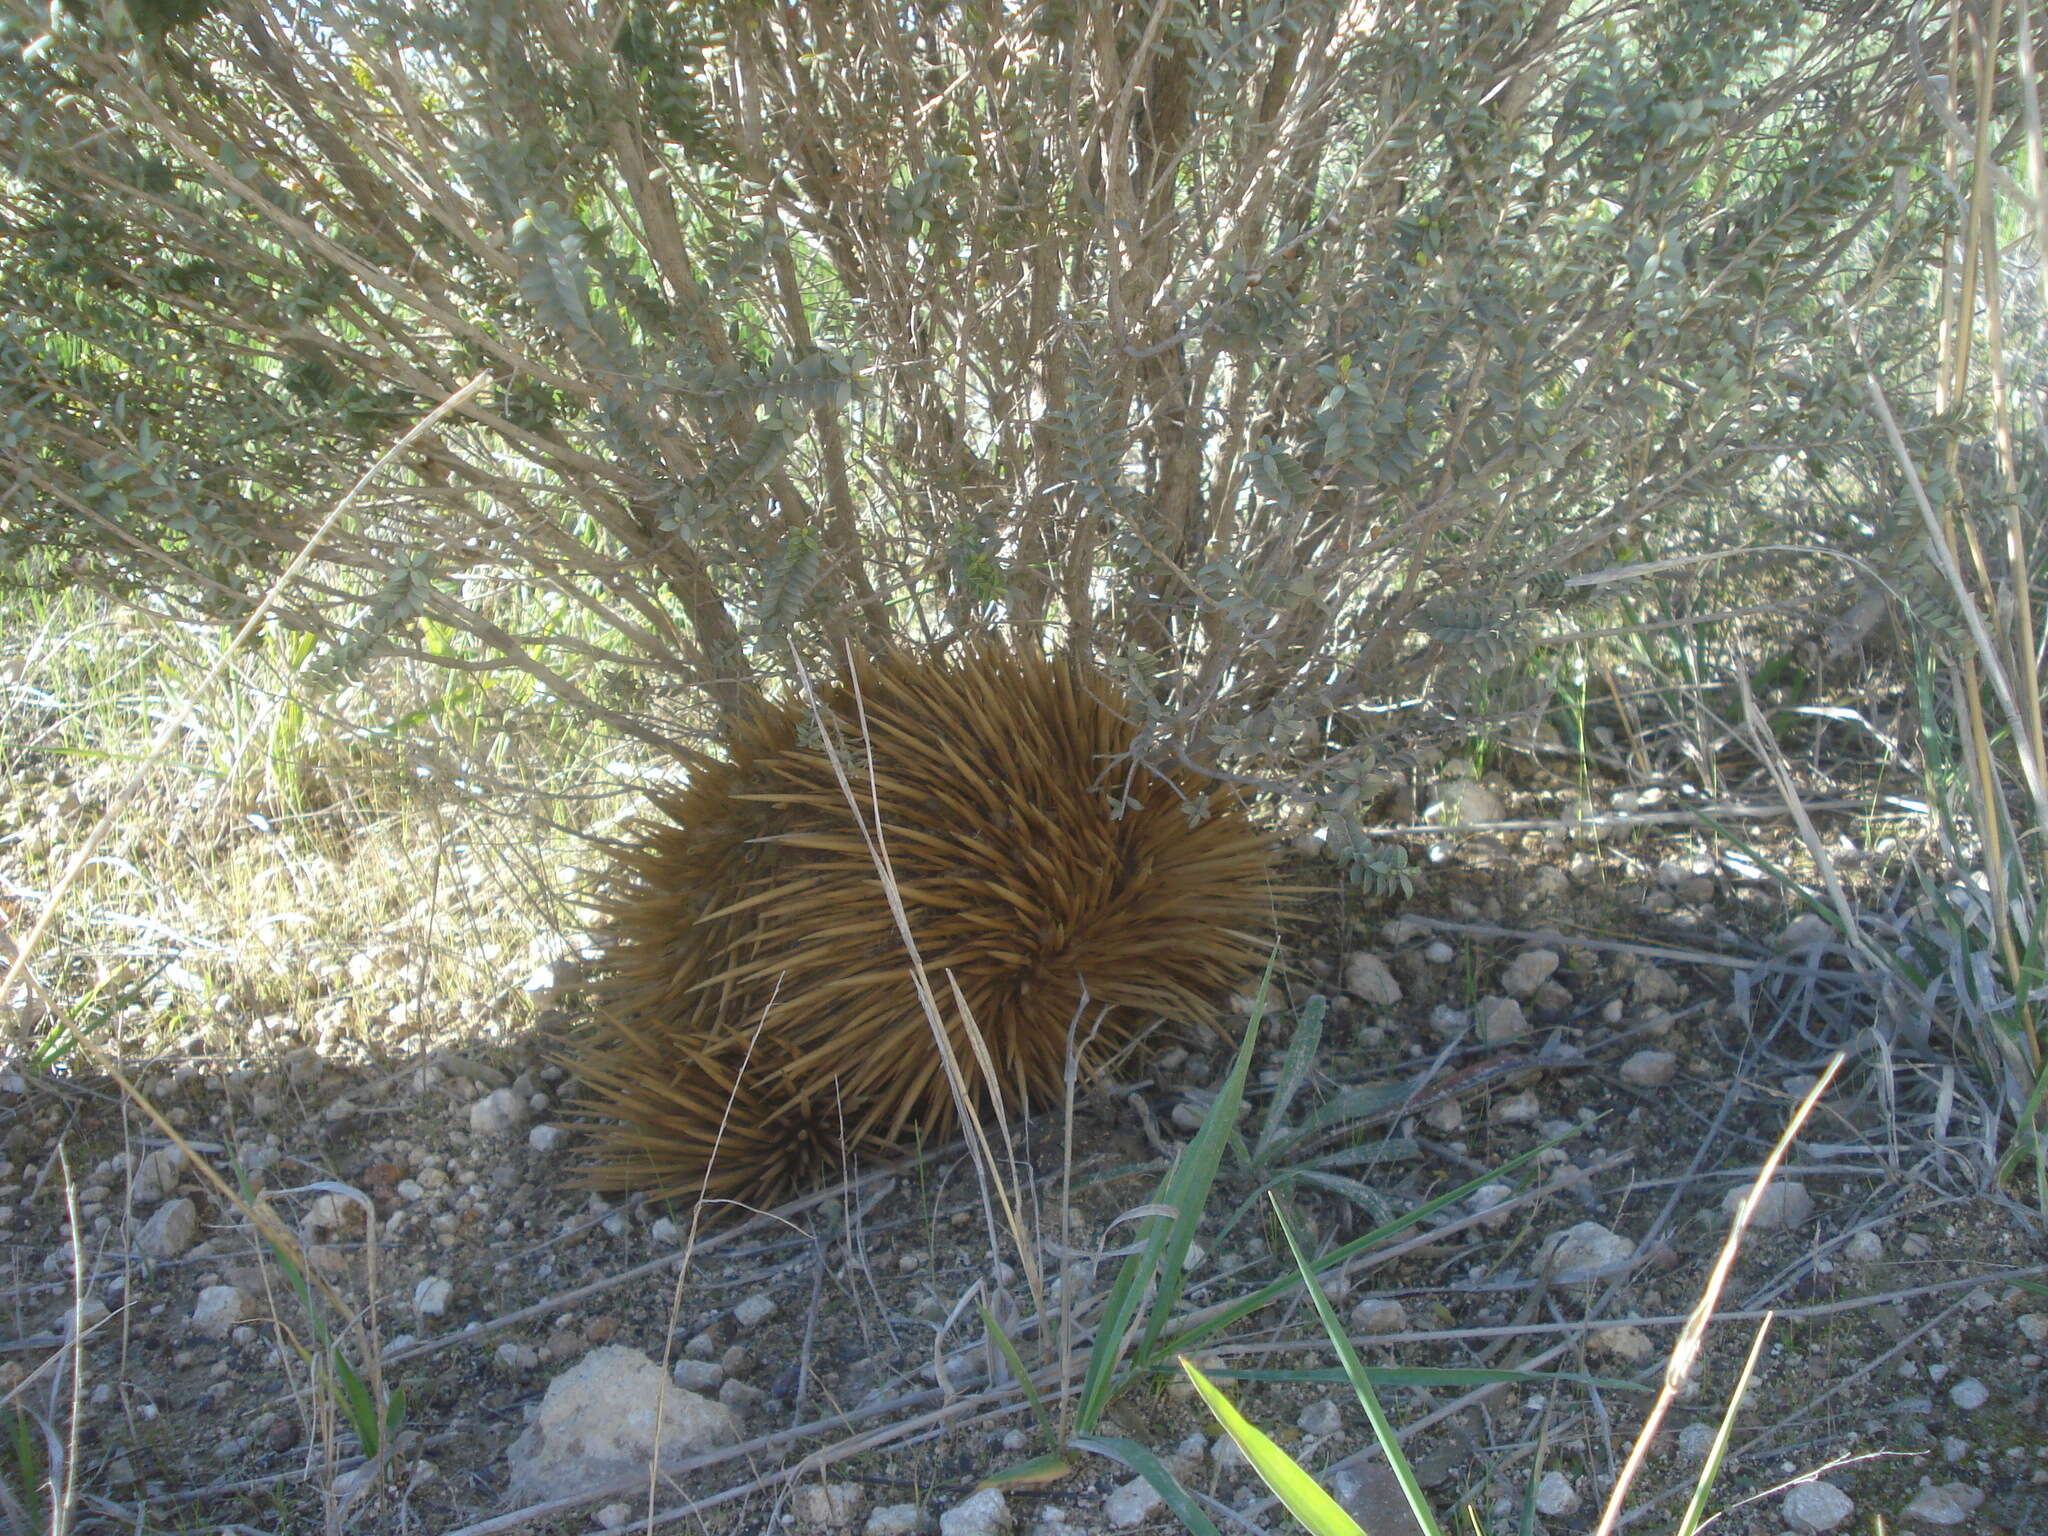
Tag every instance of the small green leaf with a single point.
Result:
(1039, 1470)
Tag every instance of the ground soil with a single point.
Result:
(1663, 945)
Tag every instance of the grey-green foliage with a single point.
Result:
(1244, 343)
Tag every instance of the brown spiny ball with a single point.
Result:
(758, 1019)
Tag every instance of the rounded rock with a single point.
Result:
(986, 1513)
(1782, 1206)
(1816, 1507)
(1649, 1069)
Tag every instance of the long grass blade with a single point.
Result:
(1304, 1498)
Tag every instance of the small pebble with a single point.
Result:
(1555, 1495)
(1816, 1507)
(1132, 1503)
(1528, 971)
(1624, 1341)
(828, 1506)
(1784, 1205)
(754, 1310)
(498, 1113)
(218, 1309)
(1366, 976)
(1584, 1252)
(430, 1296)
(1322, 1418)
(1969, 1394)
(1649, 1069)
(1944, 1504)
(1500, 1019)
(1378, 1314)
(1484, 1200)
(1516, 1109)
(704, 1376)
(895, 1520)
(986, 1513)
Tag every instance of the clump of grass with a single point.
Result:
(1322, 1515)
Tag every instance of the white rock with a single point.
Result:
(1322, 1418)
(1866, 1247)
(698, 1375)
(1366, 976)
(1446, 1020)
(1969, 1394)
(895, 1520)
(498, 1113)
(2033, 1327)
(330, 1212)
(1516, 1109)
(987, 1513)
(613, 1517)
(218, 1309)
(1132, 1503)
(1555, 1495)
(1461, 802)
(1785, 1204)
(1486, 1198)
(546, 1138)
(1500, 1019)
(1649, 1069)
(1437, 952)
(518, 1357)
(1695, 1440)
(170, 1230)
(1582, 1252)
(81, 1319)
(156, 1175)
(1805, 929)
(754, 1310)
(597, 1422)
(1379, 1314)
(430, 1296)
(829, 1506)
(1653, 984)
(1944, 1504)
(1528, 971)
(1816, 1507)
(1624, 1341)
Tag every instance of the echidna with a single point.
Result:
(758, 1024)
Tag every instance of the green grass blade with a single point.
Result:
(1305, 1500)
(1023, 1377)
(1274, 1290)
(1163, 1252)
(1294, 1072)
(1048, 1467)
(1354, 1368)
(362, 1413)
(1153, 1470)
(1696, 1506)
(1189, 1183)
(1454, 1377)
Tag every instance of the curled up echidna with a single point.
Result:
(758, 1024)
